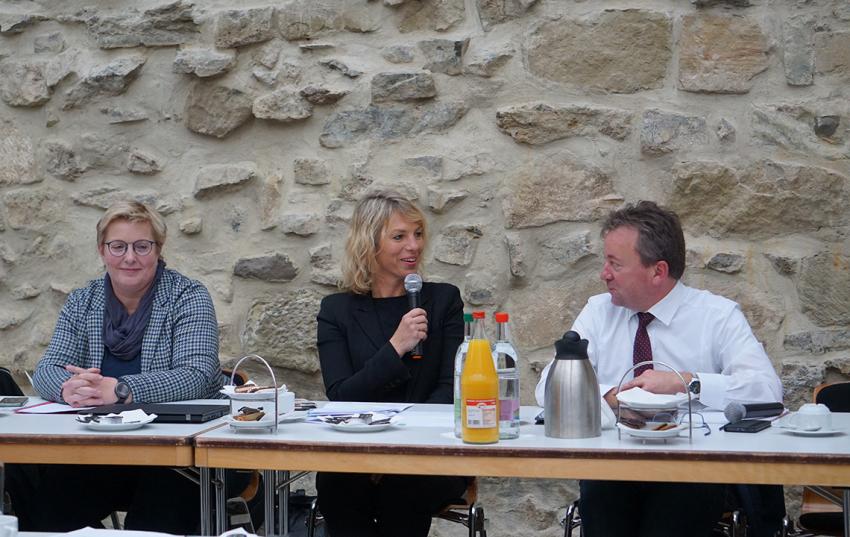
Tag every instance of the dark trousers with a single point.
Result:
(625, 508)
(366, 505)
(61, 498)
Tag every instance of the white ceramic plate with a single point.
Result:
(819, 432)
(264, 423)
(102, 426)
(263, 395)
(649, 433)
(651, 401)
(361, 427)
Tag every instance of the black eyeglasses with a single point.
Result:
(140, 247)
(697, 424)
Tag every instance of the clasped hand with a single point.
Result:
(412, 329)
(87, 387)
(652, 381)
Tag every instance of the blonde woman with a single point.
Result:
(365, 336)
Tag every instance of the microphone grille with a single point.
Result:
(413, 283)
(735, 411)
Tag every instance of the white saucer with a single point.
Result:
(362, 427)
(264, 395)
(264, 423)
(649, 433)
(639, 399)
(102, 426)
(819, 432)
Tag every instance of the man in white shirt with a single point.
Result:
(648, 314)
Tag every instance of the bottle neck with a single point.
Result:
(501, 331)
(467, 331)
(478, 329)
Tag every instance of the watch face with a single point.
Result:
(122, 390)
(694, 386)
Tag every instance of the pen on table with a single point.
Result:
(29, 378)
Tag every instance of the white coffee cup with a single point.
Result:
(8, 526)
(812, 417)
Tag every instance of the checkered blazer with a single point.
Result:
(179, 348)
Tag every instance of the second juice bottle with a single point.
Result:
(480, 389)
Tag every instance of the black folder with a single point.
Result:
(168, 412)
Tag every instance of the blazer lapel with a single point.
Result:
(364, 315)
(95, 324)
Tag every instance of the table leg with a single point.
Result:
(220, 501)
(283, 505)
(206, 514)
(269, 486)
(847, 511)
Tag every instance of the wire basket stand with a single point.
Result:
(273, 424)
(684, 385)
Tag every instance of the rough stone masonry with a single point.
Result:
(517, 124)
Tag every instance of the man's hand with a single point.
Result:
(659, 382)
(87, 387)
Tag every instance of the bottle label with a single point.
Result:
(481, 413)
(508, 409)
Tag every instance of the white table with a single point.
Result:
(60, 439)
(426, 445)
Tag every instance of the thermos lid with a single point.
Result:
(571, 347)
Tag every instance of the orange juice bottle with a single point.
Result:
(479, 388)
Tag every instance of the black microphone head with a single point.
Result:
(735, 411)
(413, 283)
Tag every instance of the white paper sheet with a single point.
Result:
(50, 408)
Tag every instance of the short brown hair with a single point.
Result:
(370, 219)
(133, 211)
(660, 236)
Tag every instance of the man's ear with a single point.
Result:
(662, 271)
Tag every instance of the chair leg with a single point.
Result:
(476, 521)
(114, 517)
(311, 517)
(571, 519)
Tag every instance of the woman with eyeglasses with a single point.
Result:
(140, 333)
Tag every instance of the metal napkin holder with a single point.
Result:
(684, 385)
(276, 396)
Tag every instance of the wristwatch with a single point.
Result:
(694, 386)
(122, 391)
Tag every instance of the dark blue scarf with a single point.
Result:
(122, 333)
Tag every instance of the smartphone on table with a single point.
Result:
(13, 400)
(746, 426)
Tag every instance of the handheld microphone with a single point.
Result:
(413, 285)
(738, 411)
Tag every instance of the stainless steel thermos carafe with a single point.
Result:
(572, 392)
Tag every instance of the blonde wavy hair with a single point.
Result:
(133, 211)
(368, 223)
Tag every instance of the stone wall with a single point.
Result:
(517, 124)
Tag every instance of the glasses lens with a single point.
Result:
(142, 247)
(117, 248)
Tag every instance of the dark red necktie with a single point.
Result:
(643, 348)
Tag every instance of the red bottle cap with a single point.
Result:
(501, 317)
(478, 315)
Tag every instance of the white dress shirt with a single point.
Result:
(693, 331)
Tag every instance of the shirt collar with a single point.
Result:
(665, 309)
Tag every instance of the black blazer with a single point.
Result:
(358, 364)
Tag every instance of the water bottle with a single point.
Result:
(505, 358)
(571, 400)
(460, 356)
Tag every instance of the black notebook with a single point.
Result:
(168, 412)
